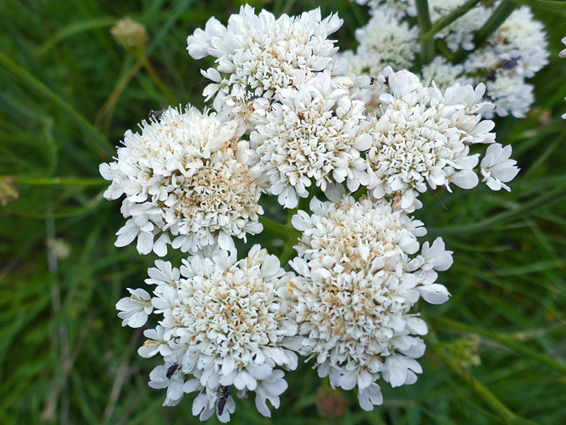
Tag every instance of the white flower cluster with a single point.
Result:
(515, 51)
(384, 41)
(259, 55)
(292, 122)
(186, 180)
(357, 280)
(224, 325)
(313, 132)
(421, 138)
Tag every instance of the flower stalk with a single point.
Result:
(423, 18)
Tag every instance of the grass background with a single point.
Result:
(65, 359)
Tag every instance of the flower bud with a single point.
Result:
(131, 35)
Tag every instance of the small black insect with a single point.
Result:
(511, 63)
(172, 370)
(506, 66)
(156, 114)
(224, 393)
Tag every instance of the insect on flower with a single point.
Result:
(224, 393)
(155, 115)
(172, 369)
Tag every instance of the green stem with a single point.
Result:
(158, 81)
(507, 342)
(529, 207)
(93, 138)
(291, 240)
(499, 15)
(276, 229)
(423, 18)
(59, 181)
(448, 19)
(360, 192)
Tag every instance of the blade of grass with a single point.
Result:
(480, 226)
(93, 139)
(483, 392)
(59, 181)
(74, 28)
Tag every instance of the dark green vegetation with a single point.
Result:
(67, 94)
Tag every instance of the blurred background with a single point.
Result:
(68, 92)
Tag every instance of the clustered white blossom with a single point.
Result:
(357, 279)
(517, 50)
(186, 182)
(422, 138)
(259, 55)
(224, 325)
(293, 120)
(384, 41)
(313, 132)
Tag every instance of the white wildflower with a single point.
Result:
(358, 276)
(259, 55)
(497, 168)
(313, 132)
(186, 182)
(135, 309)
(421, 138)
(395, 8)
(511, 95)
(385, 41)
(224, 325)
(519, 45)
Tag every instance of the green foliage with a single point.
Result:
(68, 94)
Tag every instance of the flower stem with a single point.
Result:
(153, 74)
(423, 18)
(273, 228)
(499, 15)
(448, 19)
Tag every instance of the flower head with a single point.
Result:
(421, 138)
(224, 325)
(510, 94)
(313, 132)
(358, 276)
(185, 180)
(259, 55)
(385, 41)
